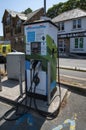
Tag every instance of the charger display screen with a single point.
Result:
(35, 47)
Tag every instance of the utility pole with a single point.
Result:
(44, 7)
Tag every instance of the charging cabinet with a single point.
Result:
(16, 65)
(41, 49)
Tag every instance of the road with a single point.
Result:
(72, 116)
(73, 110)
(73, 74)
(75, 78)
(73, 62)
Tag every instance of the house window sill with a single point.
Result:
(76, 29)
(61, 31)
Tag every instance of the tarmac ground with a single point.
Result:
(72, 116)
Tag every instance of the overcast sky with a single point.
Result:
(21, 5)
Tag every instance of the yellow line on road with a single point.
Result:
(73, 77)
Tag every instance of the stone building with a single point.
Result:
(13, 28)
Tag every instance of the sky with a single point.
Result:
(21, 5)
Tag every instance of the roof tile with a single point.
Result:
(68, 15)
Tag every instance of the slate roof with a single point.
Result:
(22, 16)
(14, 14)
(30, 15)
(68, 15)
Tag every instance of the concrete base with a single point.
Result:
(11, 91)
(54, 105)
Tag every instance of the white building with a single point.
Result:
(72, 31)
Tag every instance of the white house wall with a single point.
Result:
(68, 28)
(85, 44)
(84, 23)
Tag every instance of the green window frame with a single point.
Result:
(76, 42)
(79, 42)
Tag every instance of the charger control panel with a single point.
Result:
(36, 48)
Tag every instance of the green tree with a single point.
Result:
(83, 4)
(1, 38)
(27, 11)
(55, 10)
(62, 7)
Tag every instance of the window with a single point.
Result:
(18, 27)
(79, 42)
(79, 23)
(61, 46)
(61, 26)
(76, 23)
(19, 22)
(8, 20)
(11, 32)
(7, 29)
(76, 42)
(17, 30)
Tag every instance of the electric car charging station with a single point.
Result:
(41, 90)
(41, 60)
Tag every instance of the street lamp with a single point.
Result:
(44, 7)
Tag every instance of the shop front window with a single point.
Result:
(61, 46)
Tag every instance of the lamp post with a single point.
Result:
(44, 7)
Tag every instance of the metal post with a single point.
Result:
(58, 70)
(0, 81)
(20, 78)
(49, 75)
(44, 7)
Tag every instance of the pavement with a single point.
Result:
(72, 116)
(75, 68)
(73, 64)
(11, 92)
